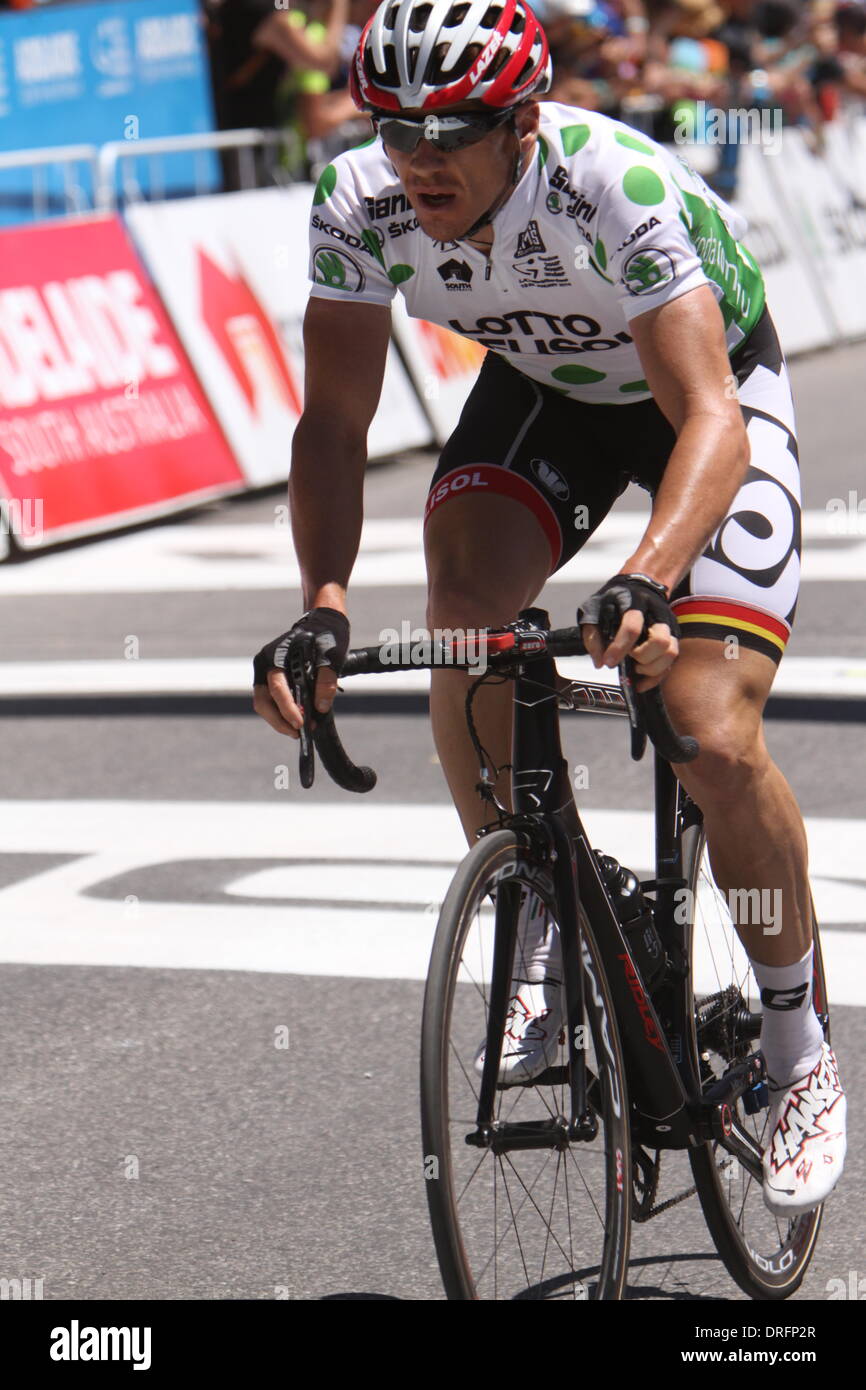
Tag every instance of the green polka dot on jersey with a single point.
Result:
(574, 137)
(601, 253)
(398, 273)
(542, 151)
(577, 375)
(326, 185)
(634, 386)
(642, 185)
(632, 143)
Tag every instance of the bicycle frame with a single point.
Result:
(665, 1092)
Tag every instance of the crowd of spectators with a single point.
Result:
(288, 67)
(656, 64)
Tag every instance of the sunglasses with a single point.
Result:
(444, 132)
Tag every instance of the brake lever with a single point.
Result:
(609, 627)
(627, 670)
(299, 670)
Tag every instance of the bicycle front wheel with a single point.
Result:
(548, 1223)
(766, 1255)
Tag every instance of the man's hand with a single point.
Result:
(625, 605)
(272, 696)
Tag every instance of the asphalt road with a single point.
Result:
(157, 1142)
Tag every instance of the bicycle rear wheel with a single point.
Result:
(766, 1255)
(548, 1223)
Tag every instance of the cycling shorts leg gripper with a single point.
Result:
(494, 478)
(746, 582)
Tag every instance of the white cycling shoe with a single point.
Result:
(534, 1020)
(805, 1155)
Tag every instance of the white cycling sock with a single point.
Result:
(791, 1035)
(536, 953)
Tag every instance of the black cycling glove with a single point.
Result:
(606, 608)
(331, 632)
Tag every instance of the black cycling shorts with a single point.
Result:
(567, 462)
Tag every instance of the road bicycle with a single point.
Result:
(533, 1184)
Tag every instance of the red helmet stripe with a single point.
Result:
(504, 82)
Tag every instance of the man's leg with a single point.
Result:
(487, 558)
(754, 827)
(757, 840)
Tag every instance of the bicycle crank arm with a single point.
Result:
(713, 1113)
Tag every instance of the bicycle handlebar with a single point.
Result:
(504, 650)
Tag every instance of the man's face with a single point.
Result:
(450, 190)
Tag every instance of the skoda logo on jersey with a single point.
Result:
(647, 271)
(550, 478)
(554, 203)
(456, 274)
(337, 269)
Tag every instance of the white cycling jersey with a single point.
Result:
(604, 225)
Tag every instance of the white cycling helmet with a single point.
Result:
(429, 54)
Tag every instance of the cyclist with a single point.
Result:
(628, 339)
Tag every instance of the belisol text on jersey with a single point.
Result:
(491, 331)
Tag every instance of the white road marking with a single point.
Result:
(260, 556)
(49, 918)
(833, 677)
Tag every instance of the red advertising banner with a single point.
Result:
(101, 418)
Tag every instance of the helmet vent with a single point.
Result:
(389, 77)
(502, 57)
(436, 73)
(419, 18)
(524, 72)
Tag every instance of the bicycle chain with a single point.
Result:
(664, 1206)
(646, 1207)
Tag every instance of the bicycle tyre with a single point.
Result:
(771, 1274)
(449, 1104)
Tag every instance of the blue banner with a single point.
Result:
(86, 74)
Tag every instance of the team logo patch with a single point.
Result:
(647, 271)
(530, 241)
(540, 272)
(550, 478)
(337, 269)
(456, 274)
(554, 203)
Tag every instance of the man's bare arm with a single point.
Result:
(345, 346)
(687, 368)
(686, 365)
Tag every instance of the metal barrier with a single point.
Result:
(65, 157)
(119, 155)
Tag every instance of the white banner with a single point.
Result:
(232, 272)
(829, 217)
(799, 311)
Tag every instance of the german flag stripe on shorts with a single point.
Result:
(720, 618)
